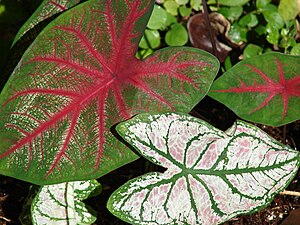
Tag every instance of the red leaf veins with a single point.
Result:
(83, 83)
(285, 87)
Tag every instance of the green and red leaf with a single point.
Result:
(78, 79)
(211, 175)
(47, 9)
(263, 89)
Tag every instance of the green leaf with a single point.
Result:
(2, 9)
(249, 20)
(181, 2)
(286, 40)
(170, 19)
(270, 8)
(272, 34)
(151, 39)
(184, 11)
(262, 89)
(289, 9)
(231, 13)
(296, 50)
(274, 19)
(172, 7)
(252, 50)
(47, 9)
(260, 29)
(260, 4)
(233, 2)
(158, 19)
(63, 202)
(143, 53)
(195, 4)
(177, 36)
(237, 33)
(211, 175)
(228, 63)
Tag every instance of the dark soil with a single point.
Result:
(13, 192)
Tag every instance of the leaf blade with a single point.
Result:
(62, 203)
(78, 79)
(217, 180)
(263, 89)
(47, 9)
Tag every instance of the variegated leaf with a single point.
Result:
(78, 79)
(211, 176)
(47, 9)
(61, 204)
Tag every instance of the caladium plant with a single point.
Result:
(211, 175)
(263, 89)
(80, 77)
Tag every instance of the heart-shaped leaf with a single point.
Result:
(62, 203)
(79, 78)
(211, 176)
(263, 89)
(47, 9)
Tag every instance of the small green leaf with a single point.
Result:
(262, 89)
(274, 19)
(63, 202)
(195, 4)
(260, 29)
(2, 9)
(270, 7)
(151, 39)
(228, 63)
(170, 19)
(296, 50)
(289, 9)
(181, 2)
(272, 34)
(177, 36)
(171, 7)
(249, 20)
(252, 50)
(286, 41)
(158, 18)
(143, 53)
(232, 3)
(231, 13)
(184, 11)
(237, 33)
(260, 4)
(211, 175)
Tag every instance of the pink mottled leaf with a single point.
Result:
(263, 89)
(78, 79)
(210, 177)
(47, 9)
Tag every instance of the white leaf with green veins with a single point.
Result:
(210, 177)
(61, 204)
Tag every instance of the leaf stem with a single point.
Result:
(213, 43)
(293, 193)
